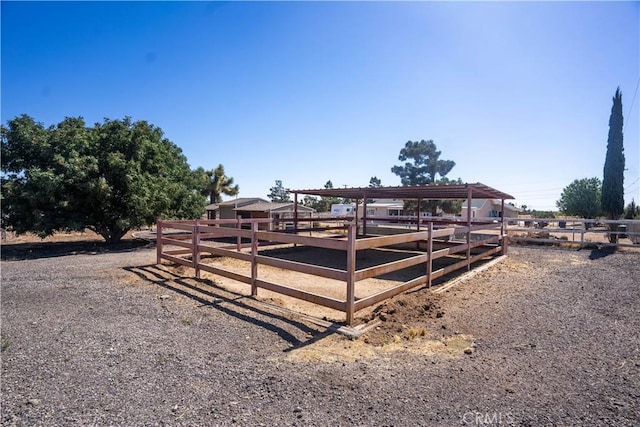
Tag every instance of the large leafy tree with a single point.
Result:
(218, 183)
(581, 198)
(109, 178)
(613, 182)
(423, 166)
(279, 194)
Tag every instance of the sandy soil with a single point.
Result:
(547, 337)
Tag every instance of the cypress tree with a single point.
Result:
(613, 183)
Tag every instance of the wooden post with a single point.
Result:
(419, 213)
(469, 228)
(503, 230)
(239, 239)
(295, 213)
(254, 254)
(364, 216)
(195, 240)
(351, 273)
(430, 253)
(158, 240)
(355, 214)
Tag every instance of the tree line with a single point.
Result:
(592, 197)
(120, 175)
(422, 166)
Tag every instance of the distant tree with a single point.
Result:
(311, 202)
(632, 211)
(279, 194)
(375, 182)
(613, 181)
(581, 198)
(217, 184)
(423, 166)
(113, 177)
(325, 202)
(542, 214)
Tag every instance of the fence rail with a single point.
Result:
(193, 240)
(580, 232)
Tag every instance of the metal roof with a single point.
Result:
(271, 206)
(425, 192)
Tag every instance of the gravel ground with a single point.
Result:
(547, 337)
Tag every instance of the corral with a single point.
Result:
(409, 255)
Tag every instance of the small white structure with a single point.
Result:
(489, 208)
(383, 208)
(343, 209)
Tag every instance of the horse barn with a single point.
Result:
(358, 261)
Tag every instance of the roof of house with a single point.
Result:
(243, 201)
(478, 203)
(424, 192)
(265, 206)
(385, 205)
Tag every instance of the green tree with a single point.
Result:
(109, 178)
(323, 204)
(581, 198)
(423, 166)
(612, 201)
(375, 182)
(311, 202)
(279, 194)
(632, 211)
(217, 184)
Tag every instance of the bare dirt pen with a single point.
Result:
(319, 285)
(547, 337)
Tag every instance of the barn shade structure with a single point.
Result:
(446, 241)
(423, 192)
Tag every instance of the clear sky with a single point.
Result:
(518, 94)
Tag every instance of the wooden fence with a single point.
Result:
(578, 232)
(188, 240)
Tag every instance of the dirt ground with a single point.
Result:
(103, 336)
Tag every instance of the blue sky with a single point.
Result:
(518, 94)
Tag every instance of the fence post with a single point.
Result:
(195, 240)
(254, 261)
(504, 233)
(239, 239)
(430, 253)
(158, 240)
(351, 273)
(469, 194)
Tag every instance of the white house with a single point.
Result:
(489, 208)
(383, 208)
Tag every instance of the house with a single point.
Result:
(383, 208)
(489, 208)
(256, 208)
(226, 210)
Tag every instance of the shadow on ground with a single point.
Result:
(600, 253)
(25, 251)
(243, 307)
